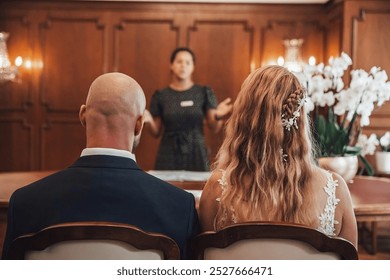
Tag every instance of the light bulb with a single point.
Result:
(312, 61)
(18, 61)
(28, 64)
(280, 61)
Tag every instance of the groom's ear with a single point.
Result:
(82, 111)
(139, 125)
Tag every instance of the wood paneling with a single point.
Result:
(334, 32)
(73, 51)
(64, 138)
(368, 41)
(16, 144)
(371, 39)
(333, 38)
(224, 53)
(311, 32)
(70, 43)
(142, 50)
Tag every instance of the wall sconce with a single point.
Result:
(7, 71)
(292, 57)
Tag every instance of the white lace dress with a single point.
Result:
(326, 219)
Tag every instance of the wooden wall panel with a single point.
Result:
(379, 121)
(73, 56)
(367, 38)
(224, 52)
(312, 32)
(333, 38)
(16, 145)
(371, 39)
(61, 143)
(334, 31)
(72, 42)
(370, 43)
(142, 50)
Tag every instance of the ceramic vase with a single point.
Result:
(382, 160)
(346, 166)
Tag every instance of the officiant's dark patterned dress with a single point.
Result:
(182, 114)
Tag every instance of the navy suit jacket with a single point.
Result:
(103, 188)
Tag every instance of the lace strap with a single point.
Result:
(327, 218)
(222, 182)
(223, 219)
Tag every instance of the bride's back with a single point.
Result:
(265, 168)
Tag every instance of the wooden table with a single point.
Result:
(11, 181)
(371, 202)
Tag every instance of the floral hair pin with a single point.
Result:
(287, 124)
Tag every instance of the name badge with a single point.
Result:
(187, 103)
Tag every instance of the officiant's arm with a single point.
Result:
(216, 117)
(153, 124)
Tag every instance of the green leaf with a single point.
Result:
(349, 150)
(320, 124)
(367, 166)
(331, 116)
(320, 134)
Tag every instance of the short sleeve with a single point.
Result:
(210, 99)
(155, 106)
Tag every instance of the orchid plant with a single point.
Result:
(384, 142)
(368, 145)
(341, 112)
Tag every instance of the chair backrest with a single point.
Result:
(93, 241)
(270, 241)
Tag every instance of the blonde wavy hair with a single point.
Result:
(251, 153)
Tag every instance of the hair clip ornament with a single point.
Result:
(283, 156)
(293, 121)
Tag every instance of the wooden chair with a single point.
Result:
(93, 241)
(271, 241)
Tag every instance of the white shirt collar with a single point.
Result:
(107, 152)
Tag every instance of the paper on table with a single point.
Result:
(181, 175)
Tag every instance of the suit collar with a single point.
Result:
(107, 152)
(105, 161)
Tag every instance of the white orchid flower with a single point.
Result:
(309, 105)
(328, 99)
(385, 140)
(368, 145)
(346, 58)
(365, 91)
(378, 74)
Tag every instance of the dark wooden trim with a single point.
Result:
(93, 231)
(272, 230)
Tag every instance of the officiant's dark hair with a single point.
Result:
(182, 49)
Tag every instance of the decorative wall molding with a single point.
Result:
(79, 40)
(17, 144)
(53, 134)
(63, 84)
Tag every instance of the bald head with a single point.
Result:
(115, 93)
(113, 113)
